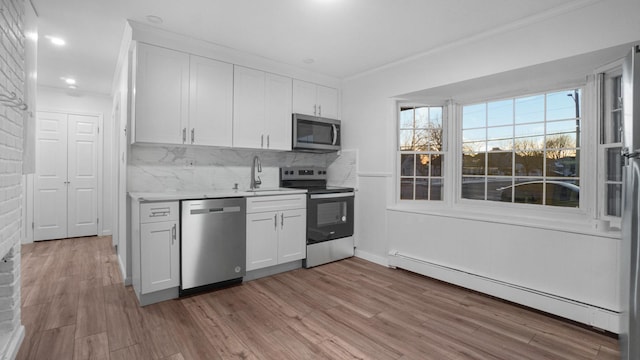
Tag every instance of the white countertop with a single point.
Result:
(210, 194)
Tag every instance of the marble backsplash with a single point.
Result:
(160, 168)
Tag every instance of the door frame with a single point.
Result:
(29, 183)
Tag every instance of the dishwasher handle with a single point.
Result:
(215, 210)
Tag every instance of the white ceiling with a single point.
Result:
(343, 37)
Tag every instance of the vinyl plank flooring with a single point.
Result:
(75, 306)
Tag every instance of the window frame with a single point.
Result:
(513, 177)
(398, 154)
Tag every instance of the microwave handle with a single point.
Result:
(335, 134)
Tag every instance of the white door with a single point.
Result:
(292, 238)
(327, 102)
(248, 108)
(210, 102)
(304, 98)
(262, 240)
(65, 186)
(278, 112)
(82, 175)
(50, 180)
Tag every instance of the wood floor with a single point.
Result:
(74, 306)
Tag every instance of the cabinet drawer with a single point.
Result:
(276, 203)
(159, 211)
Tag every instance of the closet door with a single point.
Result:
(82, 175)
(65, 186)
(50, 180)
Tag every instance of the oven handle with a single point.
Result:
(331, 196)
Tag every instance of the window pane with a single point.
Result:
(474, 135)
(529, 143)
(529, 163)
(474, 147)
(421, 140)
(570, 127)
(435, 116)
(500, 113)
(435, 139)
(563, 193)
(496, 186)
(474, 116)
(422, 117)
(499, 163)
(422, 188)
(436, 189)
(473, 188)
(529, 130)
(406, 164)
(562, 105)
(406, 118)
(612, 133)
(501, 138)
(614, 202)
(529, 109)
(406, 140)
(422, 165)
(436, 165)
(614, 164)
(529, 191)
(406, 188)
(473, 164)
(562, 163)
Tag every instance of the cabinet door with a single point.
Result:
(248, 108)
(327, 99)
(210, 102)
(278, 112)
(304, 98)
(161, 94)
(292, 238)
(262, 240)
(159, 256)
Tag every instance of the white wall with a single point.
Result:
(368, 109)
(54, 99)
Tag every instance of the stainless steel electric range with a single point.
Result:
(329, 214)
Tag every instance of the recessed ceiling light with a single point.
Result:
(55, 40)
(73, 87)
(154, 19)
(70, 81)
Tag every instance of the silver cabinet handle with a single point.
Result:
(319, 110)
(262, 140)
(275, 221)
(314, 109)
(173, 234)
(268, 141)
(184, 135)
(281, 220)
(193, 136)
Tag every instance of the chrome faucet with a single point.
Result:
(255, 183)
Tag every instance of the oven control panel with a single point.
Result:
(303, 173)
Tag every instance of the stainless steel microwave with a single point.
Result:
(315, 134)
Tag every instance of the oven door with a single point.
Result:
(329, 216)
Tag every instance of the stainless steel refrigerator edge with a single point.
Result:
(213, 243)
(630, 331)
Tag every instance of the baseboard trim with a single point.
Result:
(587, 314)
(11, 348)
(380, 260)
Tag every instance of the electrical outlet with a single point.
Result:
(189, 163)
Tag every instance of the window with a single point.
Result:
(523, 150)
(421, 152)
(611, 144)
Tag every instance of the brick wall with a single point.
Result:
(12, 77)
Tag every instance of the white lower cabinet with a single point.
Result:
(156, 251)
(276, 230)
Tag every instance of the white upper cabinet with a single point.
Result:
(161, 91)
(316, 100)
(261, 110)
(210, 102)
(182, 98)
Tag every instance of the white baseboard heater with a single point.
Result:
(564, 307)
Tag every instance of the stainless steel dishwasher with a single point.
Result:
(213, 243)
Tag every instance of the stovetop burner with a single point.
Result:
(311, 178)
